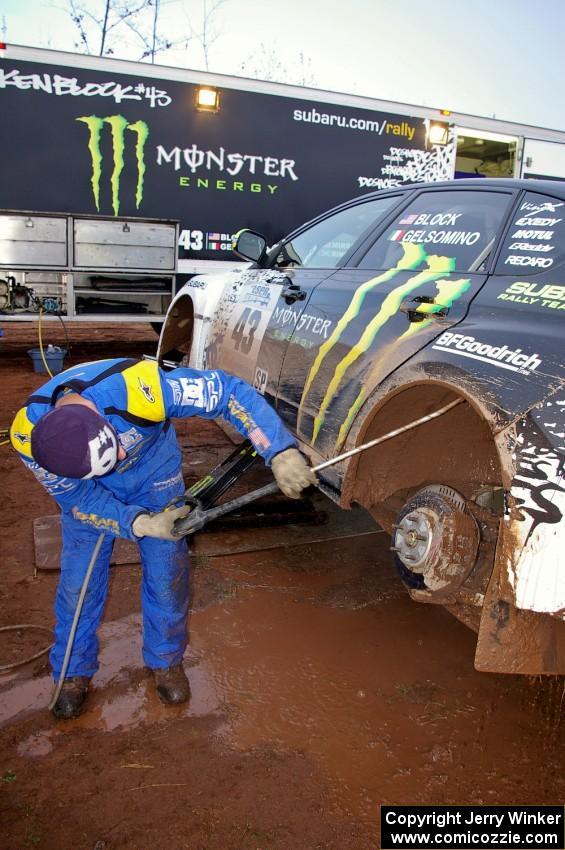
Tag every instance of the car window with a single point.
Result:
(459, 224)
(536, 238)
(324, 244)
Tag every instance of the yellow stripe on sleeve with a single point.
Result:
(20, 433)
(144, 393)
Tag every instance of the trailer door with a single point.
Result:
(481, 153)
(543, 160)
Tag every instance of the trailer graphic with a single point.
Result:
(251, 163)
(270, 157)
(118, 125)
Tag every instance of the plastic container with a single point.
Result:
(54, 357)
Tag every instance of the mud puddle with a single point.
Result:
(316, 652)
(122, 694)
(332, 659)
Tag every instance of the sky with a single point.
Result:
(495, 58)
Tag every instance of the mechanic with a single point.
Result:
(99, 438)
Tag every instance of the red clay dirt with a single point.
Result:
(320, 690)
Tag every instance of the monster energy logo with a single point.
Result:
(437, 268)
(118, 125)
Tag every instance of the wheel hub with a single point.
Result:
(436, 540)
(413, 540)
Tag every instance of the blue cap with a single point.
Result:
(74, 441)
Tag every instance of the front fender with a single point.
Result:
(533, 541)
(188, 319)
(522, 626)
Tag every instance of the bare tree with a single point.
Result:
(151, 38)
(97, 22)
(267, 64)
(115, 27)
(107, 27)
(207, 32)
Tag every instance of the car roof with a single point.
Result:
(553, 187)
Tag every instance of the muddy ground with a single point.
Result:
(320, 690)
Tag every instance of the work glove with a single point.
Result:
(159, 525)
(292, 473)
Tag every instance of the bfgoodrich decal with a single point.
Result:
(513, 359)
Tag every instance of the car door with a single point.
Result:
(412, 282)
(299, 265)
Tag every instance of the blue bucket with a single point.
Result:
(54, 357)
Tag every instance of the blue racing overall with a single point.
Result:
(138, 399)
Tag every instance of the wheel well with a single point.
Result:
(176, 337)
(457, 449)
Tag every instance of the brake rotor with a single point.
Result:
(436, 540)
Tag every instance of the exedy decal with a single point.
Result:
(414, 255)
(118, 125)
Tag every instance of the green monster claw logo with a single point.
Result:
(448, 291)
(118, 125)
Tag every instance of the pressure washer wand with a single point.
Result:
(199, 517)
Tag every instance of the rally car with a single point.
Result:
(384, 310)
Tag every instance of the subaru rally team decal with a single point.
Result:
(550, 296)
(139, 147)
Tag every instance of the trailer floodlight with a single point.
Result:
(207, 99)
(438, 133)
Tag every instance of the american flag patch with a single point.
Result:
(259, 439)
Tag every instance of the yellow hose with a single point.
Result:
(50, 373)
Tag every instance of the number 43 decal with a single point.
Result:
(245, 328)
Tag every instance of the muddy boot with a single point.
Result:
(171, 684)
(70, 700)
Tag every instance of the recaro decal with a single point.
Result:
(118, 125)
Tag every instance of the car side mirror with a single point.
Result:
(250, 245)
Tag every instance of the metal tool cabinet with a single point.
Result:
(99, 269)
